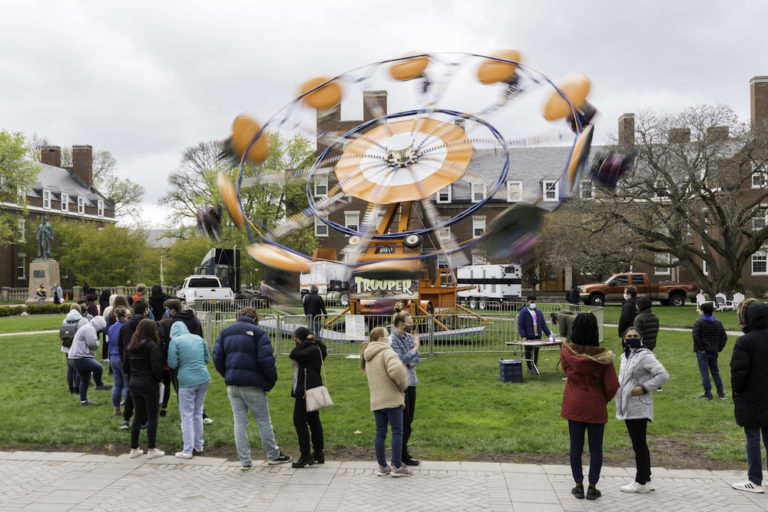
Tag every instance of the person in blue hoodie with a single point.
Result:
(530, 325)
(188, 354)
(120, 388)
(708, 341)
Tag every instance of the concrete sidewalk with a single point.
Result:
(67, 481)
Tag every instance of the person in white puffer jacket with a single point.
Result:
(639, 375)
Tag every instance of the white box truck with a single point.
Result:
(493, 284)
(331, 280)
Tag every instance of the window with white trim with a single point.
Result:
(352, 220)
(704, 269)
(758, 221)
(47, 199)
(64, 202)
(21, 266)
(514, 191)
(479, 258)
(549, 190)
(321, 228)
(478, 226)
(478, 192)
(662, 258)
(444, 233)
(759, 179)
(100, 208)
(444, 195)
(22, 230)
(760, 263)
(586, 190)
(321, 185)
(80, 204)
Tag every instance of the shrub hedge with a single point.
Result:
(45, 309)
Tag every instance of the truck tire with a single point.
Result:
(677, 300)
(597, 299)
(344, 299)
(482, 304)
(472, 304)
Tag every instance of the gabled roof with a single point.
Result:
(62, 180)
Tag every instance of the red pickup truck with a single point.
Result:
(612, 289)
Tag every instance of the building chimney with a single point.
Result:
(374, 104)
(679, 135)
(50, 155)
(627, 130)
(717, 134)
(82, 163)
(758, 100)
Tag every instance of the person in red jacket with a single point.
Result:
(591, 383)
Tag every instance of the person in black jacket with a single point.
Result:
(143, 366)
(156, 301)
(123, 339)
(314, 306)
(628, 310)
(708, 341)
(749, 380)
(646, 322)
(307, 356)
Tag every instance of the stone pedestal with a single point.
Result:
(45, 272)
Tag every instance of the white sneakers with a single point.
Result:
(152, 453)
(183, 455)
(748, 486)
(634, 486)
(135, 452)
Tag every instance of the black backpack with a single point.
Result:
(67, 333)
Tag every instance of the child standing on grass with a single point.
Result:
(387, 381)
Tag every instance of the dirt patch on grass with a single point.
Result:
(672, 453)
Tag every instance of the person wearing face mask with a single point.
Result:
(530, 325)
(640, 373)
(406, 346)
(628, 310)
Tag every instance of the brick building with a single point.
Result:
(59, 192)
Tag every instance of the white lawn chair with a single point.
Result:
(738, 298)
(700, 299)
(722, 303)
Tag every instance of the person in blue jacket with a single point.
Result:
(189, 354)
(530, 325)
(243, 355)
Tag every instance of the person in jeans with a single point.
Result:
(406, 345)
(188, 353)
(143, 365)
(639, 375)
(749, 380)
(75, 318)
(530, 325)
(243, 355)
(308, 356)
(121, 385)
(591, 383)
(81, 355)
(387, 381)
(708, 341)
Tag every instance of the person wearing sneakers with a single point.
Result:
(188, 354)
(749, 382)
(143, 366)
(709, 340)
(81, 355)
(308, 356)
(387, 381)
(406, 345)
(640, 374)
(590, 385)
(121, 387)
(243, 355)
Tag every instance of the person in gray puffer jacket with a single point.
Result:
(639, 375)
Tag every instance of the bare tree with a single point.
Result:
(695, 195)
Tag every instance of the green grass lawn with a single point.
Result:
(463, 410)
(30, 323)
(670, 316)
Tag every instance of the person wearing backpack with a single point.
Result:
(73, 321)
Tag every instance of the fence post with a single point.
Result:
(278, 335)
(431, 337)
(4, 293)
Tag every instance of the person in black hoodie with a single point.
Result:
(143, 367)
(628, 310)
(307, 355)
(314, 306)
(123, 338)
(156, 301)
(749, 380)
(646, 322)
(708, 341)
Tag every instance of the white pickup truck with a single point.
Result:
(204, 289)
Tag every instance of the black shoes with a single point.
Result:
(410, 461)
(578, 491)
(593, 493)
(304, 460)
(319, 458)
(104, 387)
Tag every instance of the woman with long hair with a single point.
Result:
(387, 381)
(591, 383)
(143, 366)
(406, 345)
(308, 356)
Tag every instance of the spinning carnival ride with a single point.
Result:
(395, 163)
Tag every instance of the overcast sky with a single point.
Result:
(145, 80)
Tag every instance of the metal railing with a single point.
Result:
(455, 331)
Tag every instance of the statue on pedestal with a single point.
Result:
(44, 239)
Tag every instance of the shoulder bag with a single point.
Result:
(317, 398)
